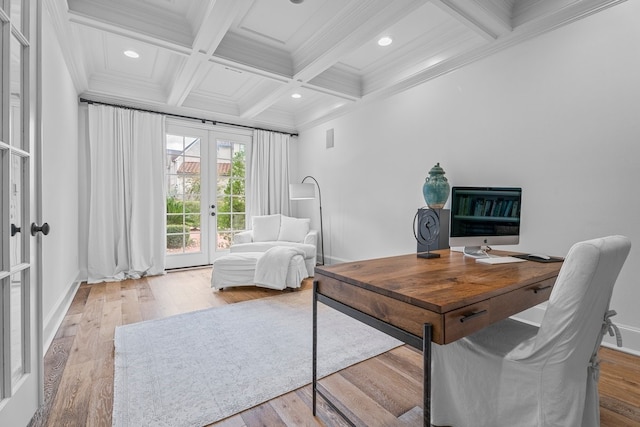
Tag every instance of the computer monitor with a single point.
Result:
(484, 216)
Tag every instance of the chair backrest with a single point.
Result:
(571, 327)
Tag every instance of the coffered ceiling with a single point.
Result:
(240, 61)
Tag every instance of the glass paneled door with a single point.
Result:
(205, 181)
(20, 330)
(230, 189)
(186, 178)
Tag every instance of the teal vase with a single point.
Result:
(436, 188)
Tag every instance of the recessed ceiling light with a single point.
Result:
(296, 95)
(385, 41)
(132, 54)
(296, 1)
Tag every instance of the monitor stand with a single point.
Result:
(475, 252)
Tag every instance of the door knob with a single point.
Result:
(14, 230)
(44, 229)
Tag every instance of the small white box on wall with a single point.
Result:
(330, 138)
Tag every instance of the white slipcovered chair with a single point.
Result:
(515, 374)
(269, 231)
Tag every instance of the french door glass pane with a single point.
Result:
(16, 204)
(16, 330)
(183, 194)
(231, 158)
(15, 85)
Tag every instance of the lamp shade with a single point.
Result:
(302, 191)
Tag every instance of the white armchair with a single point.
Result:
(279, 230)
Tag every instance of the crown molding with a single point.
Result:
(57, 11)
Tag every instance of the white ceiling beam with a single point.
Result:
(266, 100)
(361, 22)
(275, 86)
(218, 19)
(472, 21)
(192, 72)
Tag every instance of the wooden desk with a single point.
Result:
(420, 301)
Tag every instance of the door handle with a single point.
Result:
(44, 229)
(14, 230)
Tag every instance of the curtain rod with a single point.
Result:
(214, 122)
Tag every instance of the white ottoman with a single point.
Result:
(238, 269)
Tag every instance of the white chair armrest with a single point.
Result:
(243, 237)
(311, 238)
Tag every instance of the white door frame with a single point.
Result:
(209, 135)
(21, 395)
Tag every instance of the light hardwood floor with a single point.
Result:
(383, 391)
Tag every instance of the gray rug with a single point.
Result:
(198, 368)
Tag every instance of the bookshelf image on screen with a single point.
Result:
(484, 216)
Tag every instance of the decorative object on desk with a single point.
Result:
(304, 191)
(430, 230)
(436, 188)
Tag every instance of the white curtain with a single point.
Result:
(269, 174)
(126, 235)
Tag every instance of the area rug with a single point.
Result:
(197, 368)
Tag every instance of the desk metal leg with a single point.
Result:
(426, 375)
(315, 344)
(414, 341)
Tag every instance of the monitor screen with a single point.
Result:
(484, 216)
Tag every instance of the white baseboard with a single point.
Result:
(55, 318)
(333, 260)
(630, 335)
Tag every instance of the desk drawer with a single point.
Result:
(521, 299)
(407, 317)
(467, 320)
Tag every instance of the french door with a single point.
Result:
(205, 186)
(20, 318)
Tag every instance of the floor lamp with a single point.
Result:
(304, 191)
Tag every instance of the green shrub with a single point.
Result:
(192, 207)
(174, 241)
(175, 206)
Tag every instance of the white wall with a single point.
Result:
(60, 182)
(558, 115)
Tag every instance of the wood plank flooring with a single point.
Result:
(383, 391)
